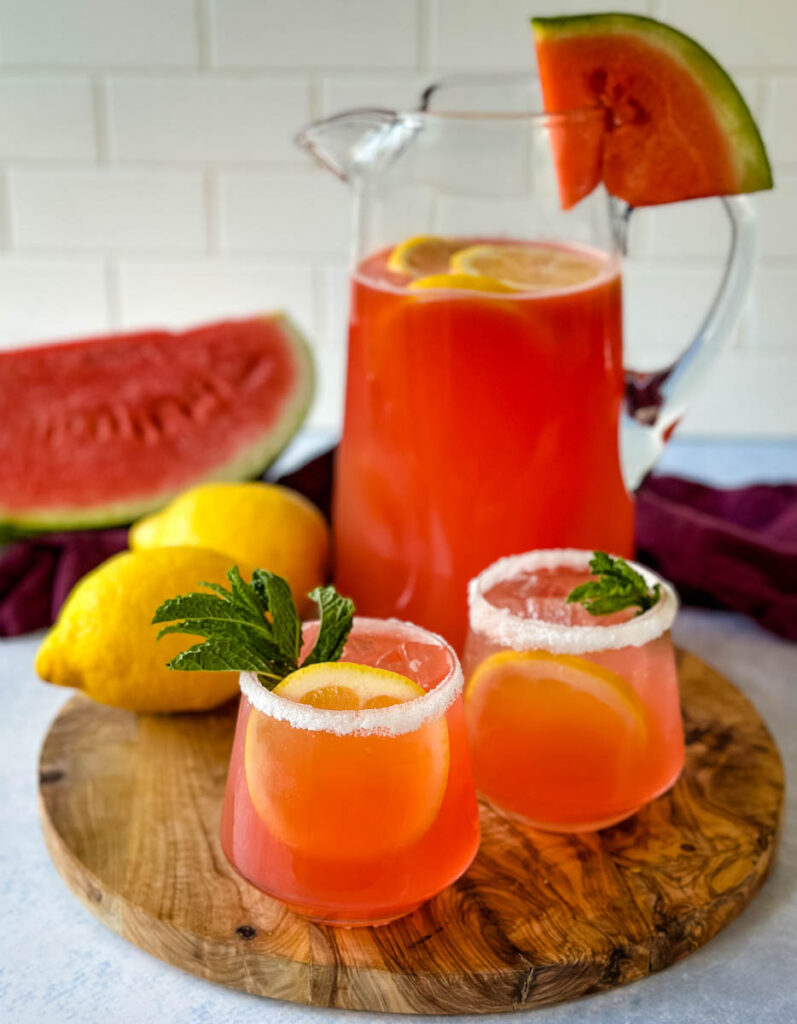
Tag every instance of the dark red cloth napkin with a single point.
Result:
(733, 549)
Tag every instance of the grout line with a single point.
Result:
(99, 104)
(212, 211)
(423, 34)
(113, 292)
(204, 34)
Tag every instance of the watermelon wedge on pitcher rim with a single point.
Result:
(102, 431)
(676, 127)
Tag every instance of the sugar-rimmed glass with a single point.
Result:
(355, 817)
(579, 725)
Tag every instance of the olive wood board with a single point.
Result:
(130, 806)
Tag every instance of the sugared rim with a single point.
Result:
(525, 634)
(394, 720)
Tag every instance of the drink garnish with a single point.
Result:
(618, 586)
(254, 627)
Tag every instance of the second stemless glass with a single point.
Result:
(574, 721)
(355, 817)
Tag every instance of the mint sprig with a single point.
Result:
(253, 627)
(618, 587)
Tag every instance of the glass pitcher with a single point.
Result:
(484, 423)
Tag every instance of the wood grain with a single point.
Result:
(130, 808)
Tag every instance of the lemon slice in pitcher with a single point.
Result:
(422, 255)
(346, 796)
(461, 282)
(526, 267)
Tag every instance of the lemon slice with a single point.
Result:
(422, 255)
(526, 267)
(346, 686)
(346, 797)
(461, 282)
(557, 675)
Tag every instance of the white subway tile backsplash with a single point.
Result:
(315, 33)
(698, 227)
(664, 306)
(107, 210)
(50, 299)
(745, 396)
(395, 92)
(95, 33)
(206, 118)
(46, 119)
(773, 323)
(739, 33)
(306, 212)
(178, 293)
(782, 134)
(475, 34)
(777, 216)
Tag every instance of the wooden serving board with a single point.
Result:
(130, 807)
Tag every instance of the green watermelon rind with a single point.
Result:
(246, 464)
(754, 172)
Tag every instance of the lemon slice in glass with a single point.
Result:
(346, 797)
(563, 680)
(526, 267)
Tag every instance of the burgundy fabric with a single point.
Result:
(732, 549)
(37, 574)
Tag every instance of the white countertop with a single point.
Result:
(58, 963)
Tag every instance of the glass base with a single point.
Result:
(339, 922)
(571, 827)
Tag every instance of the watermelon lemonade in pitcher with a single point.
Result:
(486, 387)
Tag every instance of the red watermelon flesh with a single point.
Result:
(101, 431)
(676, 126)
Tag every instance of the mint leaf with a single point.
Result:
(619, 586)
(337, 614)
(253, 627)
(218, 654)
(286, 628)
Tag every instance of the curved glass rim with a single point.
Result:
(499, 78)
(521, 633)
(394, 720)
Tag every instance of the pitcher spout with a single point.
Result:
(357, 141)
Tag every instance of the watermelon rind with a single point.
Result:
(753, 169)
(248, 463)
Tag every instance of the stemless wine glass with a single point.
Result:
(574, 720)
(355, 817)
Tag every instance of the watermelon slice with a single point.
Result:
(676, 127)
(101, 431)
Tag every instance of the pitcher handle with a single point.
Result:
(655, 402)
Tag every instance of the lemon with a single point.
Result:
(258, 524)
(461, 282)
(526, 267)
(353, 796)
(558, 677)
(422, 255)
(104, 642)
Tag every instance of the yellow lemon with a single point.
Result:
(460, 282)
(526, 267)
(262, 525)
(104, 642)
(422, 255)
